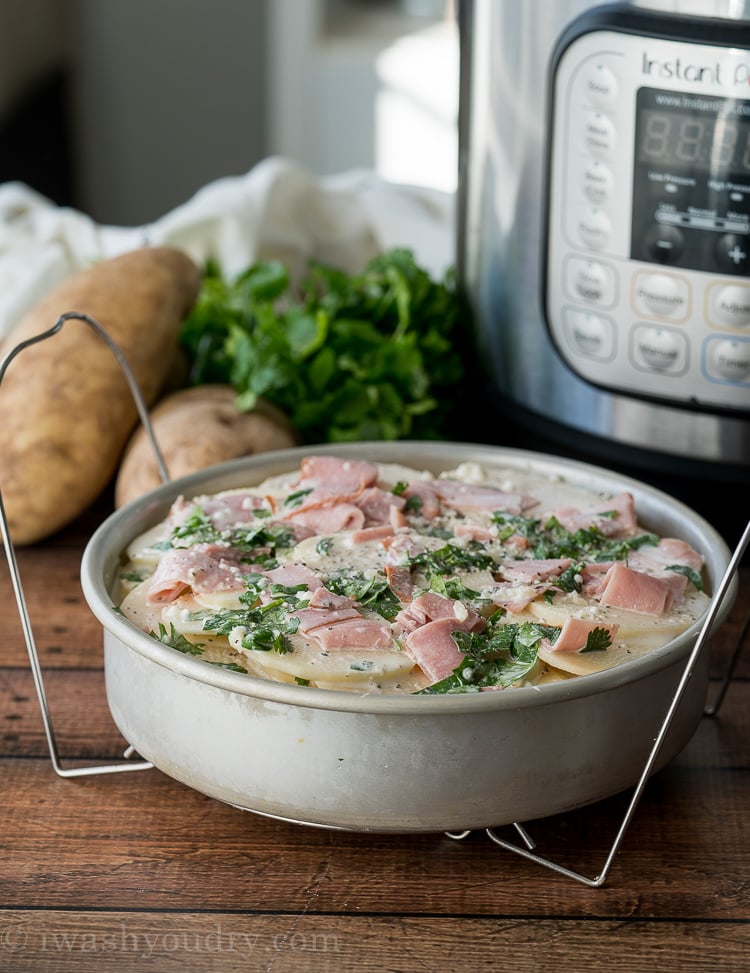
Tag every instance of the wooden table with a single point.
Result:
(137, 872)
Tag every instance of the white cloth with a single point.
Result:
(276, 210)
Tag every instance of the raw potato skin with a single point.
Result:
(66, 411)
(196, 428)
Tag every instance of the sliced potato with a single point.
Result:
(342, 666)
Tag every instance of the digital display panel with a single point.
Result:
(691, 181)
(704, 142)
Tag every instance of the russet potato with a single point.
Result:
(66, 411)
(196, 428)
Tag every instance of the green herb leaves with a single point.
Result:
(259, 538)
(369, 356)
(267, 621)
(552, 540)
(499, 656)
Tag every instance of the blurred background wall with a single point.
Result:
(125, 109)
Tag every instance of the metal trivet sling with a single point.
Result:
(527, 848)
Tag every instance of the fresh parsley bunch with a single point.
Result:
(375, 355)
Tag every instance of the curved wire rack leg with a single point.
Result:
(600, 878)
(10, 554)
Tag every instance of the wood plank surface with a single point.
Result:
(93, 942)
(135, 871)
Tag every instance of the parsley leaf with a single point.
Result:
(370, 590)
(260, 541)
(598, 640)
(268, 622)
(499, 656)
(372, 355)
(690, 573)
(552, 540)
(451, 558)
(175, 640)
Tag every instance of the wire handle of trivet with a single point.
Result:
(10, 554)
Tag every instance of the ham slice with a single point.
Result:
(205, 568)
(335, 488)
(399, 581)
(475, 532)
(398, 550)
(371, 534)
(376, 505)
(329, 519)
(656, 558)
(468, 497)
(431, 606)
(432, 647)
(622, 587)
(530, 570)
(593, 575)
(613, 518)
(334, 621)
(575, 632)
(223, 510)
(293, 574)
(343, 476)
(402, 547)
(424, 498)
(517, 542)
(397, 518)
(354, 633)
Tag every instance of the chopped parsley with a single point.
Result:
(259, 540)
(369, 590)
(503, 654)
(499, 656)
(176, 640)
(598, 640)
(570, 579)
(231, 666)
(413, 503)
(552, 540)
(268, 623)
(134, 577)
(690, 573)
(296, 498)
(456, 589)
(451, 558)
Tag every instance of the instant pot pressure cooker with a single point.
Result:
(604, 226)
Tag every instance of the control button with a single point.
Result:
(599, 133)
(730, 359)
(592, 281)
(733, 252)
(600, 85)
(594, 229)
(730, 304)
(589, 334)
(664, 243)
(659, 349)
(661, 294)
(598, 181)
